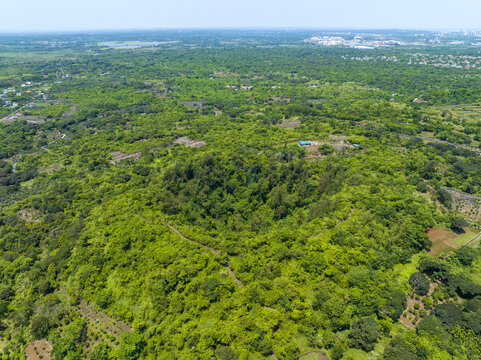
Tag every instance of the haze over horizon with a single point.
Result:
(90, 15)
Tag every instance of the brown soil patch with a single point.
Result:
(100, 326)
(184, 140)
(408, 320)
(118, 156)
(442, 240)
(40, 349)
(29, 215)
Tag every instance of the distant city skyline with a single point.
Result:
(97, 15)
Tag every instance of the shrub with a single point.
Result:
(364, 334)
(419, 283)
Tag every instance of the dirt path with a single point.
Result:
(460, 146)
(205, 247)
(320, 355)
(335, 226)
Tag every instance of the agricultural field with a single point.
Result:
(237, 195)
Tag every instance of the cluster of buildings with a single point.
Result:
(375, 40)
(458, 62)
(358, 42)
(10, 97)
(5, 95)
(451, 61)
(239, 87)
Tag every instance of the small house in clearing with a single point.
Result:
(304, 143)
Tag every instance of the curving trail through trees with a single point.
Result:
(205, 247)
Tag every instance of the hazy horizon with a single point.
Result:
(122, 15)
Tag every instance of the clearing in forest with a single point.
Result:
(467, 204)
(39, 350)
(118, 156)
(445, 240)
(184, 140)
(289, 124)
(467, 112)
(314, 355)
(100, 326)
(192, 104)
(51, 168)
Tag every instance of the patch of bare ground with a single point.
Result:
(221, 73)
(419, 307)
(467, 204)
(184, 140)
(441, 240)
(39, 350)
(28, 118)
(281, 99)
(118, 156)
(31, 215)
(33, 119)
(320, 355)
(338, 142)
(51, 168)
(217, 112)
(289, 124)
(143, 140)
(315, 101)
(100, 326)
(192, 104)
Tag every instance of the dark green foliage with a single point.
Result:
(395, 304)
(101, 352)
(209, 288)
(457, 225)
(466, 255)
(40, 326)
(326, 149)
(433, 268)
(408, 348)
(430, 325)
(130, 347)
(422, 187)
(444, 198)
(337, 352)
(364, 334)
(473, 305)
(225, 353)
(419, 283)
(449, 314)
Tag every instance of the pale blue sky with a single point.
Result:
(54, 15)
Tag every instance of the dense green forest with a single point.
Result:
(155, 202)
